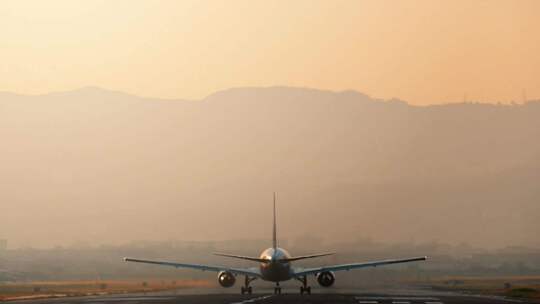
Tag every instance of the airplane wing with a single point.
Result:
(254, 272)
(307, 271)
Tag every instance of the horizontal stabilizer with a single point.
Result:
(254, 259)
(303, 257)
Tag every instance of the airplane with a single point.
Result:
(275, 266)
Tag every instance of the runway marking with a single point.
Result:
(397, 298)
(124, 299)
(253, 300)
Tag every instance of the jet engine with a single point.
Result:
(326, 278)
(226, 279)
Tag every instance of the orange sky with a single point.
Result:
(421, 51)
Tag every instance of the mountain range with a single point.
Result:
(100, 166)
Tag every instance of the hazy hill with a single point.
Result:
(93, 165)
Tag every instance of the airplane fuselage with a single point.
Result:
(275, 270)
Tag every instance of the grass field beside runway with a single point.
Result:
(510, 286)
(44, 289)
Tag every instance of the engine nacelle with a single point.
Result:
(226, 279)
(326, 278)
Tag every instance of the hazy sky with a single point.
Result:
(421, 51)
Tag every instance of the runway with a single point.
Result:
(317, 298)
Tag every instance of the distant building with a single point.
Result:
(3, 244)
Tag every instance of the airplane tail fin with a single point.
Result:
(274, 233)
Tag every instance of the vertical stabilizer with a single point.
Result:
(274, 236)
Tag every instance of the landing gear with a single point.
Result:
(304, 288)
(246, 288)
(277, 289)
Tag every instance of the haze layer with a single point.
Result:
(98, 166)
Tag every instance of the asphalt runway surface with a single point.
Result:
(318, 297)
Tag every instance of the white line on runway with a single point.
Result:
(367, 302)
(401, 302)
(124, 299)
(412, 298)
(252, 300)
